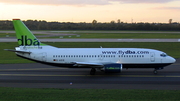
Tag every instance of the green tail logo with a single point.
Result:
(24, 35)
(25, 41)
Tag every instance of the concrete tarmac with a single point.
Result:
(37, 75)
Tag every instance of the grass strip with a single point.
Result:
(29, 94)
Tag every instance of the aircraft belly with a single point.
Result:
(147, 65)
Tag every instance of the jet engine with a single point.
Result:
(112, 68)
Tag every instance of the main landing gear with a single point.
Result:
(155, 71)
(93, 71)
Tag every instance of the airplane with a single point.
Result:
(103, 59)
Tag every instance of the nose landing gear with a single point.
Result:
(155, 71)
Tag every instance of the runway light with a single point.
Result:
(70, 83)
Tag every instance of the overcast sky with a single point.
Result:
(88, 10)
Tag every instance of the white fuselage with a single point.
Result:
(98, 55)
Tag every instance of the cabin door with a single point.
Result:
(152, 57)
(43, 56)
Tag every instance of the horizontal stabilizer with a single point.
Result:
(17, 51)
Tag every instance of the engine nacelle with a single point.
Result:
(113, 68)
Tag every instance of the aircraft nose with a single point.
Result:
(172, 60)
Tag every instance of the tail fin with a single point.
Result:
(24, 35)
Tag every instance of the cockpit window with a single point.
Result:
(163, 54)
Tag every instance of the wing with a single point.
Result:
(90, 64)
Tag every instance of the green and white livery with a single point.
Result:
(104, 59)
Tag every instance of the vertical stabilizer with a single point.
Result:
(24, 35)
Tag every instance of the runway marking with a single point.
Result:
(30, 75)
(32, 69)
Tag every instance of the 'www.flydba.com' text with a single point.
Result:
(125, 52)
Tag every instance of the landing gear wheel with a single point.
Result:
(155, 71)
(93, 71)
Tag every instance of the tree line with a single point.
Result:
(44, 25)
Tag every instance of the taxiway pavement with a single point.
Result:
(95, 40)
(37, 75)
